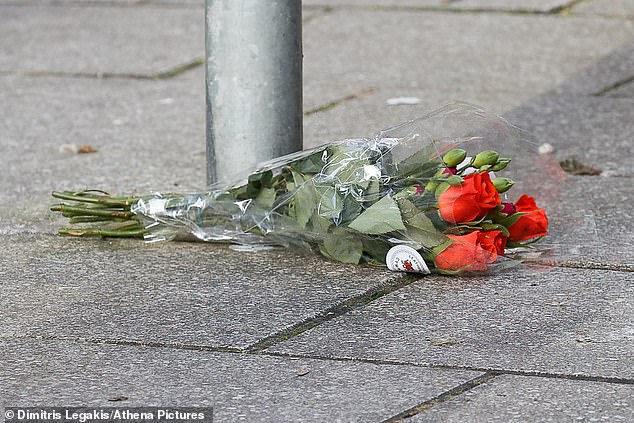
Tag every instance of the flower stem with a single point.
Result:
(111, 216)
(138, 233)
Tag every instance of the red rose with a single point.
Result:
(473, 199)
(465, 253)
(492, 241)
(531, 225)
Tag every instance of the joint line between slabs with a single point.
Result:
(445, 396)
(234, 350)
(602, 379)
(319, 13)
(167, 74)
(330, 313)
(104, 4)
(458, 10)
(614, 86)
(573, 264)
(135, 343)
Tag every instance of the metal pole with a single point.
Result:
(254, 83)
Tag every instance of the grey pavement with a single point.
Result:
(521, 399)
(276, 335)
(558, 322)
(238, 387)
(211, 296)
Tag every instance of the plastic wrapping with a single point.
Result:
(450, 192)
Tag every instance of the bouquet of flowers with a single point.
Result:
(418, 197)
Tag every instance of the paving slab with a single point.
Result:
(369, 112)
(564, 321)
(97, 40)
(597, 130)
(149, 135)
(143, 131)
(177, 293)
(589, 220)
(615, 8)
(520, 399)
(423, 50)
(467, 5)
(427, 69)
(116, 3)
(239, 387)
(601, 76)
(190, 3)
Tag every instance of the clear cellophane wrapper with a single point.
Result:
(398, 198)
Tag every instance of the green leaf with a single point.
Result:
(258, 181)
(381, 217)
(329, 203)
(527, 244)
(421, 229)
(261, 179)
(512, 219)
(320, 225)
(372, 192)
(408, 209)
(304, 199)
(422, 164)
(311, 164)
(376, 249)
(342, 246)
(352, 207)
(346, 165)
(266, 198)
(494, 227)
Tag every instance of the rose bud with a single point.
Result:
(502, 184)
(455, 180)
(441, 188)
(449, 171)
(508, 208)
(454, 157)
(501, 164)
(484, 158)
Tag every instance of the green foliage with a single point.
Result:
(381, 217)
(342, 245)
